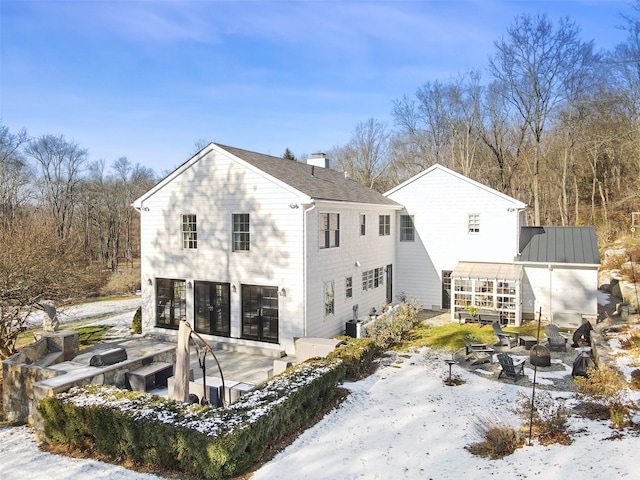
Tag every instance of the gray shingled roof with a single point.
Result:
(559, 245)
(324, 184)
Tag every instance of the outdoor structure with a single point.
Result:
(561, 270)
(474, 250)
(255, 251)
(465, 238)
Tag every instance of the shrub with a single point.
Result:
(499, 440)
(136, 324)
(387, 331)
(548, 421)
(635, 379)
(357, 355)
(603, 390)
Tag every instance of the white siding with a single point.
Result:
(213, 189)
(440, 203)
(562, 289)
(335, 264)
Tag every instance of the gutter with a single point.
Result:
(308, 208)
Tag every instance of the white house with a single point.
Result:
(461, 243)
(456, 219)
(255, 251)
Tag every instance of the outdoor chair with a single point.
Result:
(507, 339)
(510, 368)
(479, 352)
(554, 338)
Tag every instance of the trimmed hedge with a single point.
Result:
(206, 441)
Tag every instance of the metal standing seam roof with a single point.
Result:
(316, 182)
(571, 245)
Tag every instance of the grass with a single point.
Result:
(453, 336)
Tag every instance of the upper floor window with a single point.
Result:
(384, 225)
(329, 226)
(189, 232)
(473, 223)
(407, 232)
(363, 224)
(241, 240)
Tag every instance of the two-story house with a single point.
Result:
(255, 251)
(461, 243)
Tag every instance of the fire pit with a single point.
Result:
(540, 356)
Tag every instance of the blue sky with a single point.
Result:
(147, 79)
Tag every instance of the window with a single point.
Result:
(189, 232)
(329, 234)
(372, 278)
(407, 233)
(348, 292)
(170, 302)
(363, 225)
(474, 223)
(240, 232)
(329, 299)
(385, 225)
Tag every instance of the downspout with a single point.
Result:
(305, 262)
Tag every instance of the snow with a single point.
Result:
(401, 422)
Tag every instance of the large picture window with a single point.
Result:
(241, 238)
(189, 232)
(329, 226)
(170, 302)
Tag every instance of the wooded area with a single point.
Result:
(552, 122)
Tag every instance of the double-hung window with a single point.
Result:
(329, 230)
(189, 232)
(384, 227)
(407, 232)
(473, 223)
(363, 224)
(348, 292)
(241, 238)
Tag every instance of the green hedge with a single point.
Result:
(207, 441)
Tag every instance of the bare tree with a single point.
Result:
(61, 165)
(366, 157)
(540, 65)
(15, 175)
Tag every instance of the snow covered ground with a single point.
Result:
(401, 422)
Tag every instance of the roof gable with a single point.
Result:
(458, 177)
(315, 182)
(575, 245)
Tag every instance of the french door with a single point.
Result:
(212, 308)
(260, 313)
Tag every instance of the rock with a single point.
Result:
(50, 322)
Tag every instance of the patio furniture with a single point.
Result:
(527, 341)
(489, 319)
(554, 339)
(507, 339)
(510, 368)
(479, 352)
